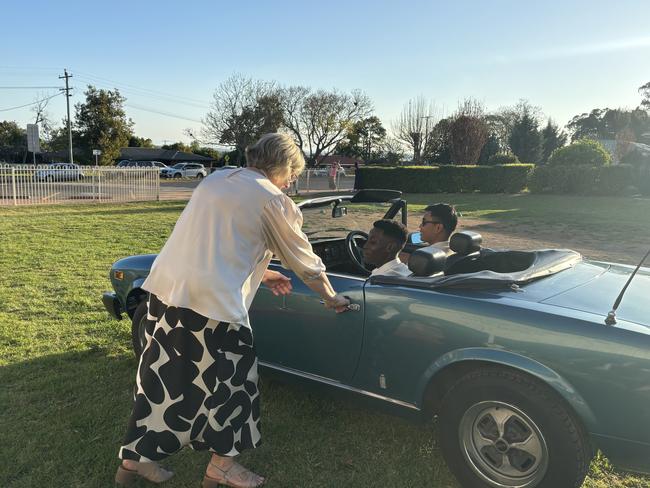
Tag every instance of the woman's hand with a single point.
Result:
(277, 282)
(338, 303)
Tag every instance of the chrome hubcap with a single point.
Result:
(503, 445)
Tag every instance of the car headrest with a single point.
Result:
(465, 242)
(427, 261)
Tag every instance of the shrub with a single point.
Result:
(503, 158)
(448, 179)
(583, 180)
(585, 152)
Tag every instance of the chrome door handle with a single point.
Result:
(353, 307)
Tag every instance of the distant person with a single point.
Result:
(333, 171)
(438, 224)
(385, 241)
(357, 176)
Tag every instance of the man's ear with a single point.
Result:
(392, 248)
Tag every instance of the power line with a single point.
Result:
(27, 87)
(28, 104)
(159, 112)
(91, 77)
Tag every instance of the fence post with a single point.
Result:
(99, 184)
(13, 185)
(158, 186)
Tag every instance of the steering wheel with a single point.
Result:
(354, 250)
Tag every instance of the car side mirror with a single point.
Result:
(415, 238)
(339, 212)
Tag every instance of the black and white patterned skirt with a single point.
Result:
(196, 386)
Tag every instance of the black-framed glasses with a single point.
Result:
(425, 222)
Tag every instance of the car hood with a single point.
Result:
(601, 284)
(141, 262)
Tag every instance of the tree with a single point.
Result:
(490, 149)
(468, 132)
(525, 138)
(605, 123)
(135, 141)
(320, 120)
(645, 93)
(438, 148)
(13, 142)
(552, 138)
(242, 109)
(362, 137)
(414, 125)
(102, 124)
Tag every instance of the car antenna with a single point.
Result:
(611, 316)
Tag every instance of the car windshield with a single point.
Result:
(318, 223)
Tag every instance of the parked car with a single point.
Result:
(184, 170)
(141, 164)
(516, 352)
(59, 172)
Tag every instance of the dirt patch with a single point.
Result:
(603, 247)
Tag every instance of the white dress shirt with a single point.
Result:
(392, 268)
(215, 258)
(444, 245)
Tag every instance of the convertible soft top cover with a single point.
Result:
(493, 269)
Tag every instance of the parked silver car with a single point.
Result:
(184, 170)
(59, 172)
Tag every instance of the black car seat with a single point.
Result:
(427, 261)
(466, 246)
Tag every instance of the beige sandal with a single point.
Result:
(149, 471)
(236, 476)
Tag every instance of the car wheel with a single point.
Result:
(500, 428)
(138, 327)
(199, 176)
(177, 175)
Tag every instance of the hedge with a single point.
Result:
(589, 180)
(510, 178)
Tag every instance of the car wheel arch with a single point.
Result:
(444, 373)
(133, 299)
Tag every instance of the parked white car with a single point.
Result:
(184, 170)
(59, 172)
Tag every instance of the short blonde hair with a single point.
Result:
(277, 155)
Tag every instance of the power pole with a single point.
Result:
(67, 100)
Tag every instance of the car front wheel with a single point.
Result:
(177, 175)
(500, 428)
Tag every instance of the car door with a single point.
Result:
(297, 333)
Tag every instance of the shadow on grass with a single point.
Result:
(64, 415)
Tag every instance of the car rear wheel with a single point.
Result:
(199, 176)
(138, 326)
(502, 429)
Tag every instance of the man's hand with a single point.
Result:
(277, 282)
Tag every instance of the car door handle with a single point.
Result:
(353, 307)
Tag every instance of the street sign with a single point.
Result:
(96, 152)
(33, 144)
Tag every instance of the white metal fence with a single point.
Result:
(318, 180)
(29, 185)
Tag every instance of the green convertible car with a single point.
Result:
(531, 360)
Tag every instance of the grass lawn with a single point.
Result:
(67, 370)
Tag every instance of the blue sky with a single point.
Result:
(566, 57)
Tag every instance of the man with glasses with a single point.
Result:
(438, 223)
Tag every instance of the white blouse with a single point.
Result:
(222, 243)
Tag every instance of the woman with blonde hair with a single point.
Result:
(197, 377)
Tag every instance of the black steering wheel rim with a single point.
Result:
(354, 251)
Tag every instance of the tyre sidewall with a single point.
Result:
(566, 462)
(137, 325)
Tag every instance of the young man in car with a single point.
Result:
(438, 223)
(385, 241)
